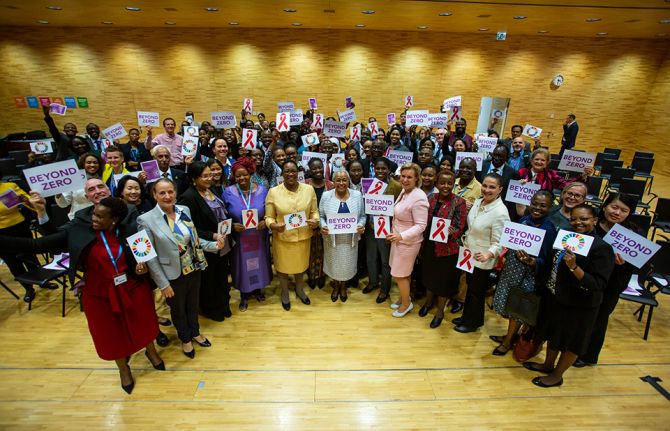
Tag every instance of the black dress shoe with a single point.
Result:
(29, 296)
(437, 321)
(369, 288)
(456, 307)
(160, 366)
(190, 354)
(259, 296)
(333, 295)
(205, 343)
(227, 312)
(464, 329)
(164, 322)
(497, 338)
(579, 363)
(537, 381)
(343, 297)
(457, 321)
(286, 305)
(162, 339)
(129, 387)
(500, 352)
(305, 300)
(382, 297)
(423, 311)
(532, 367)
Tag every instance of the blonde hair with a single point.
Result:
(542, 151)
(413, 167)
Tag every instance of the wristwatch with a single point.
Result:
(573, 269)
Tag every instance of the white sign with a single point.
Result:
(379, 204)
(224, 120)
(249, 138)
(57, 108)
(518, 236)
(355, 133)
(438, 120)
(295, 220)
(248, 106)
(250, 218)
(576, 161)
(381, 225)
(310, 139)
(342, 223)
(308, 155)
(54, 178)
(377, 187)
(41, 147)
(418, 118)
(285, 106)
(439, 229)
(189, 146)
(295, 117)
(400, 157)
(283, 121)
(374, 129)
(141, 247)
(318, 122)
(191, 132)
(224, 227)
(577, 243)
(455, 114)
(347, 116)
(521, 194)
(409, 101)
(336, 129)
(148, 119)
(115, 131)
(466, 260)
(487, 144)
(532, 131)
(635, 249)
(451, 102)
(478, 157)
(117, 177)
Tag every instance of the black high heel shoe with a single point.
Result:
(424, 310)
(190, 354)
(343, 294)
(130, 386)
(286, 305)
(437, 321)
(334, 293)
(205, 343)
(159, 367)
(304, 300)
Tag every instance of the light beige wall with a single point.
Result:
(609, 83)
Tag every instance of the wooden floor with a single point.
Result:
(321, 367)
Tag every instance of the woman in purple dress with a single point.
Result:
(251, 253)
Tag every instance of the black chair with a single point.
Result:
(643, 154)
(617, 175)
(21, 157)
(645, 299)
(598, 163)
(8, 289)
(8, 169)
(636, 187)
(616, 152)
(554, 157)
(642, 166)
(43, 276)
(642, 221)
(608, 165)
(594, 185)
(661, 216)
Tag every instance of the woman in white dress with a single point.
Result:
(341, 250)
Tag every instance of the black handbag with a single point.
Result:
(523, 306)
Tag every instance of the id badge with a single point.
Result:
(120, 279)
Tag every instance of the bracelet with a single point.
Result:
(573, 269)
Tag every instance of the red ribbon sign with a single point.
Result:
(354, 133)
(408, 102)
(373, 129)
(248, 140)
(318, 122)
(454, 114)
(250, 219)
(282, 122)
(440, 225)
(467, 254)
(378, 186)
(381, 227)
(247, 105)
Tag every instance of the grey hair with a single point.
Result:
(155, 149)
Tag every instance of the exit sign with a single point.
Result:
(501, 35)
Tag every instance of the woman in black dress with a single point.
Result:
(574, 291)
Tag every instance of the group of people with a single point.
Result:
(278, 209)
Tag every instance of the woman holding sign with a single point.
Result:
(341, 249)
(292, 213)
(573, 295)
(207, 211)
(482, 247)
(548, 179)
(440, 248)
(251, 253)
(410, 213)
(315, 274)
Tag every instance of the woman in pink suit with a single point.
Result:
(409, 221)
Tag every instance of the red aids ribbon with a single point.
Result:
(282, 122)
(381, 226)
(454, 114)
(250, 219)
(409, 101)
(317, 122)
(375, 190)
(373, 129)
(248, 140)
(247, 105)
(354, 133)
(467, 254)
(440, 229)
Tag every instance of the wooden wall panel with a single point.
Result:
(608, 83)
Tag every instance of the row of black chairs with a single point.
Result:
(12, 165)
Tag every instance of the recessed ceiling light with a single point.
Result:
(212, 9)
(107, 22)
(483, 29)
(296, 24)
(520, 17)
(170, 23)
(360, 25)
(423, 27)
(368, 11)
(543, 31)
(664, 21)
(483, 16)
(233, 23)
(593, 19)
(444, 14)
(54, 8)
(602, 33)
(42, 21)
(661, 35)
(290, 10)
(133, 9)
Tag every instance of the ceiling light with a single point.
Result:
(133, 9)
(593, 19)
(520, 17)
(170, 23)
(422, 27)
(444, 14)
(54, 8)
(368, 11)
(543, 31)
(107, 22)
(42, 21)
(483, 29)
(632, 20)
(483, 16)
(661, 35)
(296, 24)
(664, 21)
(233, 23)
(212, 9)
(360, 25)
(602, 33)
(290, 10)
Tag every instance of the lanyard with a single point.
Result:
(247, 204)
(109, 251)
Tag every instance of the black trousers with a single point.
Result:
(16, 265)
(214, 287)
(475, 299)
(184, 305)
(610, 300)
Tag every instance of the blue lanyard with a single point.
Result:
(246, 203)
(109, 251)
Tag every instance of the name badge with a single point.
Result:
(120, 279)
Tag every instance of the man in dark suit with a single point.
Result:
(161, 154)
(570, 130)
(376, 151)
(497, 164)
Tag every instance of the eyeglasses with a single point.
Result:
(573, 195)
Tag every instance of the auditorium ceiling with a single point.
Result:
(573, 18)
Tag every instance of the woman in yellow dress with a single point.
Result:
(292, 213)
